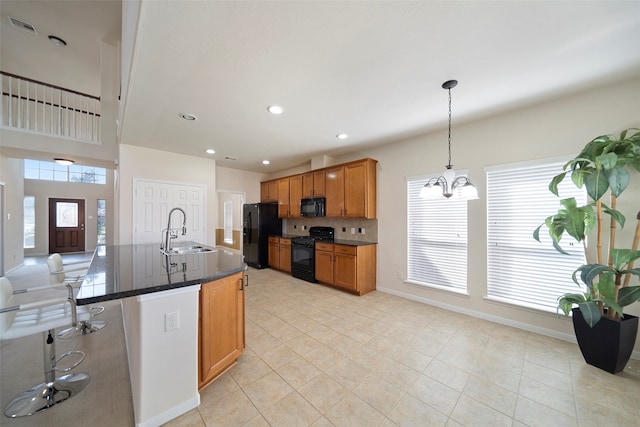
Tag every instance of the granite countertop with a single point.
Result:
(122, 271)
(337, 241)
(353, 242)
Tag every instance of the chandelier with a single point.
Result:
(447, 185)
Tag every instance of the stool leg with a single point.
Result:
(52, 391)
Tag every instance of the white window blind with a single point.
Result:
(521, 270)
(437, 239)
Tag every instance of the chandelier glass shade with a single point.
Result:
(447, 185)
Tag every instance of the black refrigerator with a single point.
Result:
(259, 221)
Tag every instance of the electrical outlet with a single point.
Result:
(344, 229)
(171, 321)
(353, 230)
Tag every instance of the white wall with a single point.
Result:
(11, 173)
(240, 182)
(43, 190)
(139, 162)
(560, 127)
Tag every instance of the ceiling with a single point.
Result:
(373, 70)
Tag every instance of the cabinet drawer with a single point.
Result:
(343, 249)
(324, 246)
(285, 242)
(274, 239)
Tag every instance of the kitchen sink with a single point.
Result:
(188, 248)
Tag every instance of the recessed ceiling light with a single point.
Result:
(63, 162)
(186, 116)
(275, 109)
(265, 162)
(342, 136)
(57, 41)
(211, 151)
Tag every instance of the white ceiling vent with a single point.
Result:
(23, 25)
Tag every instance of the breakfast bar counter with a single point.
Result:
(165, 318)
(122, 271)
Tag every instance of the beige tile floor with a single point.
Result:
(317, 356)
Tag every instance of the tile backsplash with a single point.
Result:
(300, 227)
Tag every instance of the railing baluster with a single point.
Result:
(51, 114)
(64, 112)
(28, 109)
(10, 100)
(19, 106)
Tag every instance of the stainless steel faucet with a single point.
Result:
(171, 233)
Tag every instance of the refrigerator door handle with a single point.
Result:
(250, 226)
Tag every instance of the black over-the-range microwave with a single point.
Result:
(312, 206)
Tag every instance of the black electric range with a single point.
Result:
(303, 264)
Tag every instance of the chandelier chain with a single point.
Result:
(449, 165)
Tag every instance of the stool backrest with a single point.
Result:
(54, 262)
(6, 300)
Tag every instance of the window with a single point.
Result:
(437, 240)
(102, 221)
(50, 171)
(29, 209)
(521, 270)
(228, 222)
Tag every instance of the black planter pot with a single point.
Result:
(608, 345)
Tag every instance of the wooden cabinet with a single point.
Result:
(352, 268)
(334, 191)
(351, 190)
(221, 337)
(318, 183)
(269, 191)
(295, 194)
(280, 253)
(360, 189)
(283, 198)
(313, 184)
(324, 262)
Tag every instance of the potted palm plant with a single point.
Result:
(606, 165)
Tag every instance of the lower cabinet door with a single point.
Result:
(345, 271)
(324, 267)
(221, 332)
(285, 257)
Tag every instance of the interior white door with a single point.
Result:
(153, 200)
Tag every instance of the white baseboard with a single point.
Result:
(496, 319)
(171, 413)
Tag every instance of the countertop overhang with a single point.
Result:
(122, 271)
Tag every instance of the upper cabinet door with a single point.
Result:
(307, 184)
(360, 191)
(295, 194)
(283, 198)
(318, 184)
(334, 191)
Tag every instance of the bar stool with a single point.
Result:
(17, 321)
(73, 276)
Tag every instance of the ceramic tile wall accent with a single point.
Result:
(300, 227)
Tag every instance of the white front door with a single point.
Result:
(153, 200)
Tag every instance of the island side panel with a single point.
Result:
(162, 361)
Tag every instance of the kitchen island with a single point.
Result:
(176, 309)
